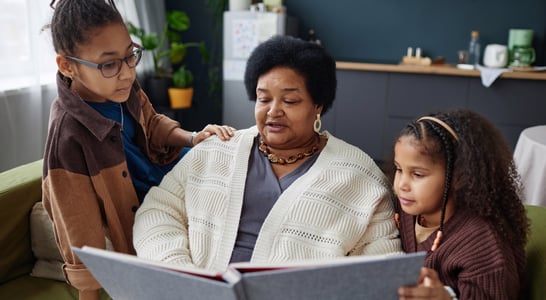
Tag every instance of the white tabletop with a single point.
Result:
(530, 159)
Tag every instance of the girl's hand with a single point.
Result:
(224, 132)
(429, 287)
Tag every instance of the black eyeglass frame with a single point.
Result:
(137, 49)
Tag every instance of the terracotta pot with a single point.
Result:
(180, 98)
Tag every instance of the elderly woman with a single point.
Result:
(278, 191)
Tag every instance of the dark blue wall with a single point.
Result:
(381, 30)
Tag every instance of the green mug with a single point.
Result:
(520, 37)
(522, 56)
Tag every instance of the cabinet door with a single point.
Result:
(415, 95)
(512, 105)
(360, 109)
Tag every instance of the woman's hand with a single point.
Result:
(429, 287)
(224, 132)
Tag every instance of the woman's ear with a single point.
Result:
(318, 109)
(65, 66)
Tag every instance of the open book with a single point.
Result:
(126, 276)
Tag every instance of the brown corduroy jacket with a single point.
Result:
(87, 188)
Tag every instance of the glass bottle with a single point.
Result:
(474, 49)
(313, 37)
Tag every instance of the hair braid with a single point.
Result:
(480, 175)
(74, 20)
(447, 143)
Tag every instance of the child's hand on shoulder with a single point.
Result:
(224, 132)
(429, 287)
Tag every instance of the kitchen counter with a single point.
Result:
(449, 70)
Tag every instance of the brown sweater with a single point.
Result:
(87, 189)
(470, 259)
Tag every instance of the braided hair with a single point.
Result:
(439, 140)
(74, 20)
(480, 172)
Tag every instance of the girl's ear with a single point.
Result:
(66, 67)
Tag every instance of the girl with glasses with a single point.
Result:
(106, 145)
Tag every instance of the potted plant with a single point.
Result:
(181, 93)
(164, 54)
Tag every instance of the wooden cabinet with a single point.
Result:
(373, 105)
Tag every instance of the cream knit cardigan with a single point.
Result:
(340, 207)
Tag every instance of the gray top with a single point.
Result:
(262, 189)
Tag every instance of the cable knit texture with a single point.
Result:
(470, 258)
(341, 206)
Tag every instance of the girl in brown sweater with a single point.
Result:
(459, 199)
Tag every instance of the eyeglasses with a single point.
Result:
(112, 68)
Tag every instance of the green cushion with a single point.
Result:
(29, 288)
(32, 288)
(536, 253)
(20, 188)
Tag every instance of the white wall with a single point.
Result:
(24, 115)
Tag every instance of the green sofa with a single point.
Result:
(20, 189)
(535, 269)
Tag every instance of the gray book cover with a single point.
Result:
(127, 277)
(365, 277)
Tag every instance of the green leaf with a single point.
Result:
(204, 52)
(150, 41)
(173, 36)
(178, 20)
(133, 30)
(177, 53)
(183, 78)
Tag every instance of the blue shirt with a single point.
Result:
(144, 173)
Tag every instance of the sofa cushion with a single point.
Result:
(32, 288)
(49, 263)
(20, 188)
(535, 268)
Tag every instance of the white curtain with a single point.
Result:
(27, 73)
(27, 76)
(151, 17)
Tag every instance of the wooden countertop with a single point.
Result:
(434, 69)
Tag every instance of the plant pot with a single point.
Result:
(180, 98)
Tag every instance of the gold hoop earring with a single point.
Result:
(317, 124)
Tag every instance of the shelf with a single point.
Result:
(434, 70)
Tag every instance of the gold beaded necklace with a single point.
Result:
(275, 159)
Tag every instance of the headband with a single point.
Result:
(443, 124)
